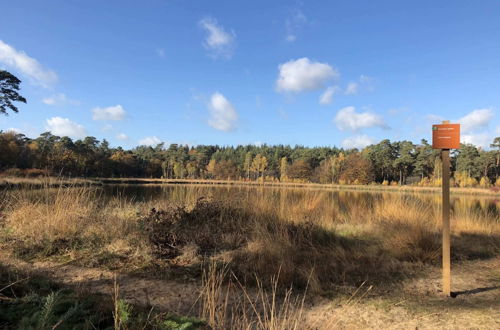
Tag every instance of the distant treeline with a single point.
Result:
(386, 162)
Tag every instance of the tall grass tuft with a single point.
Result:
(226, 303)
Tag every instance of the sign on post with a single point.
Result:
(446, 136)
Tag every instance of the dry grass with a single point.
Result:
(312, 239)
(225, 303)
(42, 182)
(56, 221)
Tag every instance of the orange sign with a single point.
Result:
(446, 136)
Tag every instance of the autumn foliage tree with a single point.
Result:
(357, 170)
(300, 169)
(385, 162)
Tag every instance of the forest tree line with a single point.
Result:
(401, 162)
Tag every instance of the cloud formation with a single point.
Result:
(223, 115)
(352, 88)
(109, 113)
(327, 96)
(122, 137)
(294, 23)
(60, 100)
(218, 42)
(348, 119)
(357, 141)
(476, 119)
(364, 83)
(482, 140)
(303, 75)
(28, 66)
(65, 127)
(149, 141)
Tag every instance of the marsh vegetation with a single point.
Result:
(263, 242)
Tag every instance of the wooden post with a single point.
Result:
(445, 137)
(445, 156)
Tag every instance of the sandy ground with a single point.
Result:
(415, 304)
(420, 305)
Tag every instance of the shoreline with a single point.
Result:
(378, 188)
(53, 182)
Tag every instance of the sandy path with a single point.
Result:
(419, 304)
(164, 295)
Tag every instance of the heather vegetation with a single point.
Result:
(388, 163)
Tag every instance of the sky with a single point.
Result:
(322, 73)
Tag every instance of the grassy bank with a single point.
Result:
(16, 182)
(262, 241)
(44, 182)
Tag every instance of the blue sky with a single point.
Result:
(241, 72)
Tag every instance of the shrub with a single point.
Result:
(485, 182)
(257, 243)
(204, 225)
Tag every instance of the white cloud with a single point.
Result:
(59, 99)
(348, 119)
(357, 141)
(28, 66)
(223, 116)
(480, 140)
(122, 137)
(476, 119)
(109, 113)
(303, 74)
(218, 42)
(294, 23)
(352, 88)
(364, 83)
(65, 127)
(327, 96)
(149, 141)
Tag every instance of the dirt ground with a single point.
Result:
(415, 304)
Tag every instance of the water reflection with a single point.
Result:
(331, 203)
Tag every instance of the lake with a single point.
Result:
(296, 201)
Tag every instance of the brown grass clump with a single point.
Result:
(211, 226)
(61, 215)
(226, 304)
(258, 245)
(76, 221)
